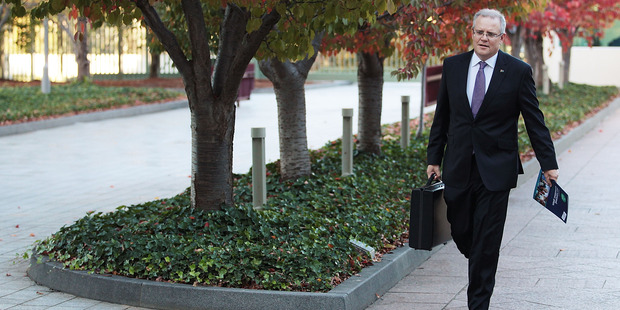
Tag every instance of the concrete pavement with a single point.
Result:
(544, 263)
(52, 177)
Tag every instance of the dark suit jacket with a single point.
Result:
(492, 135)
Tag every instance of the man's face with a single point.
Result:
(486, 45)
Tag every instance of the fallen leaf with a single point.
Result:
(39, 293)
(111, 186)
(31, 235)
(16, 226)
(8, 274)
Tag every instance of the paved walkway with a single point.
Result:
(51, 178)
(544, 263)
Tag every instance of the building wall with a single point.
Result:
(599, 65)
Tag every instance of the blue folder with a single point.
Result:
(554, 198)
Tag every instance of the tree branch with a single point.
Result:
(254, 40)
(237, 48)
(63, 22)
(231, 36)
(165, 36)
(6, 13)
(304, 66)
(198, 36)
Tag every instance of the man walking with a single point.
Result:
(474, 136)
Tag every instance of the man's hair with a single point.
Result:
(492, 14)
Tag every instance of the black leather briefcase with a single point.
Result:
(428, 223)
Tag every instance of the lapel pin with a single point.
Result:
(501, 70)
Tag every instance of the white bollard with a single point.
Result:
(45, 79)
(418, 134)
(347, 142)
(545, 76)
(259, 172)
(404, 123)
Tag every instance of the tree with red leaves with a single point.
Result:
(585, 19)
(419, 31)
(568, 19)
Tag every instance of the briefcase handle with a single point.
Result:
(430, 179)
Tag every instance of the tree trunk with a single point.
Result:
(155, 54)
(516, 40)
(294, 155)
(5, 13)
(370, 85)
(288, 85)
(566, 58)
(534, 55)
(289, 81)
(211, 96)
(81, 57)
(212, 126)
(154, 66)
(2, 65)
(120, 52)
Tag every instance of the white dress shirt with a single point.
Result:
(473, 71)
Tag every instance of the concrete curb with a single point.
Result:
(532, 167)
(357, 292)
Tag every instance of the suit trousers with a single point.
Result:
(477, 217)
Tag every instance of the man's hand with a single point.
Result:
(433, 169)
(552, 174)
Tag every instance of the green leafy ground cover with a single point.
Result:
(567, 108)
(27, 103)
(299, 242)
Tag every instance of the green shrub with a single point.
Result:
(300, 241)
(28, 103)
(564, 109)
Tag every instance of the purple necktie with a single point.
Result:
(479, 89)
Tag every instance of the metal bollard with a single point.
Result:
(545, 76)
(347, 142)
(404, 123)
(45, 79)
(418, 134)
(259, 184)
